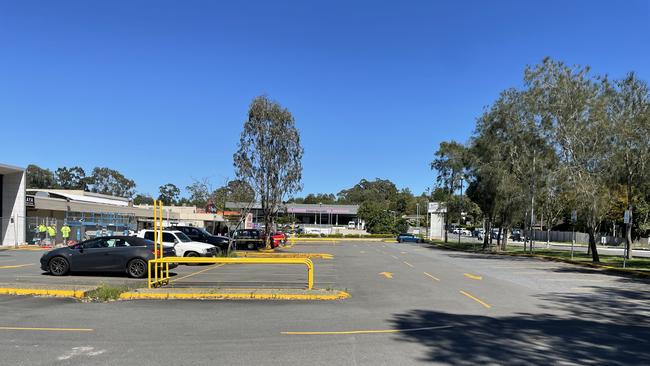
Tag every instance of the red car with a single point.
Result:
(278, 239)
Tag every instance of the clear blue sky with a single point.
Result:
(374, 86)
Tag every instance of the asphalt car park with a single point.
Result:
(410, 304)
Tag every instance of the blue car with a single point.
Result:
(408, 238)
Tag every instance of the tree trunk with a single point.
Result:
(499, 236)
(486, 231)
(592, 245)
(504, 241)
(446, 224)
(628, 227)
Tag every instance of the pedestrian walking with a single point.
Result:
(41, 233)
(51, 231)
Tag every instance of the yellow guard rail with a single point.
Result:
(163, 279)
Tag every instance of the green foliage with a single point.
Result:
(142, 199)
(105, 293)
(235, 191)
(199, 192)
(269, 155)
(71, 178)
(108, 181)
(38, 177)
(169, 194)
(378, 219)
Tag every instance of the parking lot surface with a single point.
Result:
(410, 304)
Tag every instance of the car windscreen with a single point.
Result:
(182, 237)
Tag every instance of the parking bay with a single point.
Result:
(21, 268)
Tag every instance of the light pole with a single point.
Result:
(460, 213)
(320, 213)
(417, 213)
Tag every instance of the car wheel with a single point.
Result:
(192, 254)
(137, 268)
(58, 266)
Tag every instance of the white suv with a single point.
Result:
(182, 244)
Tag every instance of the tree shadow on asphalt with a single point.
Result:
(607, 326)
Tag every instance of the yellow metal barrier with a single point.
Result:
(164, 276)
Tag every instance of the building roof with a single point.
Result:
(10, 169)
(80, 196)
(302, 208)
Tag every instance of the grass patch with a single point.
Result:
(105, 293)
(616, 261)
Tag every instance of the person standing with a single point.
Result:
(41, 233)
(65, 233)
(51, 231)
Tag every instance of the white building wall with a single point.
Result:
(13, 207)
(437, 220)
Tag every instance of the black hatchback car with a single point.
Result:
(126, 254)
(203, 236)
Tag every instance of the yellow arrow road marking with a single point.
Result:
(387, 274)
(428, 275)
(474, 277)
(17, 265)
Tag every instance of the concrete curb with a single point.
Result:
(623, 271)
(252, 295)
(52, 292)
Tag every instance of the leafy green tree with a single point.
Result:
(269, 155)
(108, 181)
(169, 194)
(449, 162)
(71, 178)
(575, 105)
(142, 199)
(38, 177)
(378, 219)
(628, 113)
(199, 192)
(234, 191)
(379, 190)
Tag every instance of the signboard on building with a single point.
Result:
(30, 201)
(248, 224)
(435, 207)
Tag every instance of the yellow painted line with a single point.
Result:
(49, 329)
(434, 277)
(16, 266)
(476, 299)
(244, 254)
(378, 331)
(408, 264)
(198, 272)
(42, 292)
(340, 295)
(387, 274)
(473, 277)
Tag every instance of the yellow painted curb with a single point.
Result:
(341, 295)
(77, 294)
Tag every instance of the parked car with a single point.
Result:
(408, 238)
(222, 243)
(127, 254)
(183, 245)
(248, 239)
(279, 238)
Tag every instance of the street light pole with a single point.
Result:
(320, 214)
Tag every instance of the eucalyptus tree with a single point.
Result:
(628, 113)
(450, 162)
(269, 155)
(574, 104)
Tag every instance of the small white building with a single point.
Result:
(436, 212)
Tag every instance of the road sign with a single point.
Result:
(574, 216)
(626, 217)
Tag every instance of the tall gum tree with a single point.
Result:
(269, 156)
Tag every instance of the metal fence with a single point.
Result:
(583, 238)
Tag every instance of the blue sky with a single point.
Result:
(159, 90)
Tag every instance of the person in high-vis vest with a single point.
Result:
(65, 233)
(51, 231)
(41, 233)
